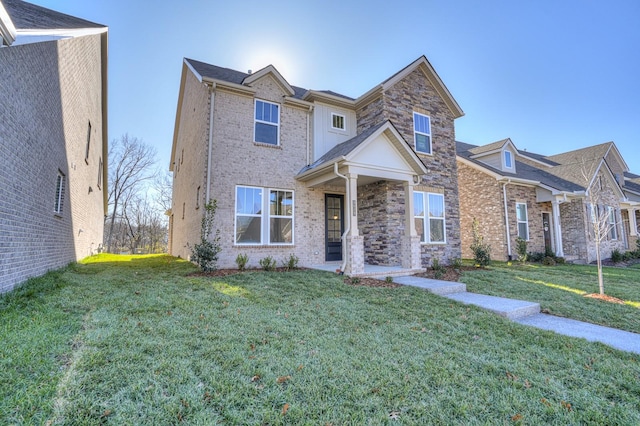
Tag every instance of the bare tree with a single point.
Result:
(130, 165)
(163, 186)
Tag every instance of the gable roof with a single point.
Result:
(27, 16)
(430, 73)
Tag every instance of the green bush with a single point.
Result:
(241, 261)
(549, 261)
(521, 249)
(205, 253)
(268, 263)
(627, 256)
(291, 263)
(389, 279)
(456, 263)
(536, 256)
(481, 250)
(616, 256)
(560, 260)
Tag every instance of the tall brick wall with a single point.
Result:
(49, 92)
(522, 194)
(397, 103)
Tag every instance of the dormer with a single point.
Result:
(500, 155)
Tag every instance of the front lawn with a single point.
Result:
(136, 340)
(561, 290)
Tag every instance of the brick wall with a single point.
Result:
(49, 92)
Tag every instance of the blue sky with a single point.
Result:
(551, 75)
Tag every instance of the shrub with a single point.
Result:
(560, 260)
(627, 256)
(481, 250)
(205, 253)
(389, 279)
(291, 262)
(241, 261)
(537, 257)
(456, 263)
(549, 261)
(268, 263)
(616, 256)
(355, 280)
(521, 249)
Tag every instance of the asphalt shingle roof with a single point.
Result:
(27, 16)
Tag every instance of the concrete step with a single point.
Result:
(433, 286)
(508, 308)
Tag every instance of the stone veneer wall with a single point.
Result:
(49, 92)
(397, 103)
(381, 222)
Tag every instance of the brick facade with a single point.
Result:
(49, 93)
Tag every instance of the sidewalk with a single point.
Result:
(528, 313)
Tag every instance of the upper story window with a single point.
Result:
(338, 121)
(267, 122)
(86, 154)
(508, 160)
(523, 221)
(422, 133)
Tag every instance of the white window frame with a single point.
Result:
(525, 221)
(265, 217)
(426, 217)
(344, 122)
(59, 198)
(508, 159)
(612, 222)
(269, 123)
(422, 133)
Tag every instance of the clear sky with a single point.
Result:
(553, 75)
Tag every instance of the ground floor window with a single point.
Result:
(523, 221)
(613, 226)
(428, 213)
(263, 216)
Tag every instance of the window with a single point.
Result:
(337, 121)
(198, 198)
(264, 220)
(267, 122)
(428, 212)
(100, 172)
(86, 154)
(57, 206)
(523, 221)
(422, 133)
(508, 162)
(613, 227)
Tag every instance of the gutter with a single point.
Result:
(347, 214)
(212, 98)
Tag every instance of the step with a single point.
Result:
(438, 287)
(508, 308)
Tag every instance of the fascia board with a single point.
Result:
(7, 29)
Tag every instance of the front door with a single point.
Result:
(546, 226)
(334, 226)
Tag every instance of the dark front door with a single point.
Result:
(546, 226)
(334, 226)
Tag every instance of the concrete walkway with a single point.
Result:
(527, 313)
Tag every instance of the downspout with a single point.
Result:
(309, 134)
(212, 98)
(347, 214)
(506, 217)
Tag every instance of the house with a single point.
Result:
(53, 139)
(549, 201)
(333, 180)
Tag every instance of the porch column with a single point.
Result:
(633, 225)
(555, 208)
(411, 252)
(355, 242)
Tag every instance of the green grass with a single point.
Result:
(560, 290)
(135, 340)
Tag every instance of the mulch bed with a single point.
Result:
(604, 297)
(225, 272)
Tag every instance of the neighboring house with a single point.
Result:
(53, 139)
(546, 200)
(317, 174)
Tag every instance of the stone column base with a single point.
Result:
(355, 253)
(411, 252)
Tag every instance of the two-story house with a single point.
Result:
(328, 178)
(53, 139)
(552, 202)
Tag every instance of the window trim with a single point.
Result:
(426, 218)
(59, 194)
(526, 221)
(100, 172)
(509, 156)
(344, 122)
(612, 223)
(269, 123)
(265, 217)
(416, 132)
